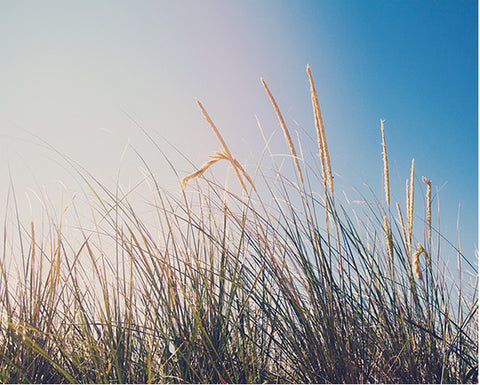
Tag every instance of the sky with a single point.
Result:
(83, 76)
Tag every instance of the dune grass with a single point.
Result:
(278, 282)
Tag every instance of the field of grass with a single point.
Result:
(281, 280)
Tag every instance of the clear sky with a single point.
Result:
(71, 72)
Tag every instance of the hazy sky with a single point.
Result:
(72, 72)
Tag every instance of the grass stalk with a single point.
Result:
(215, 287)
(285, 131)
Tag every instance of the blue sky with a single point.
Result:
(71, 72)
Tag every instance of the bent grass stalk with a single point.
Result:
(214, 159)
(285, 130)
(219, 156)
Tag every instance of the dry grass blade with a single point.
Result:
(214, 159)
(322, 140)
(402, 225)
(214, 128)
(236, 165)
(239, 167)
(285, 130)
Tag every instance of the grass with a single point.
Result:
(276, 283)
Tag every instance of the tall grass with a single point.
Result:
(276, 283)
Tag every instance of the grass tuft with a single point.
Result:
(279, 284)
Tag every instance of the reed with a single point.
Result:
(322, 140)
(324, 155)
(217, 287)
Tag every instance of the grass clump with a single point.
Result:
(275, 284)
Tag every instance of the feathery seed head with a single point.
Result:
(416, 265)
(385, 165)
(388, 236)
(428, 182)
(410, 202)
(322, 140)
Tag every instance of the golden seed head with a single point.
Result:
(385, 165)
(322, 140)
(410, 201)
(225, 154)
(388, 236)
(428, 182)
(416, 265)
